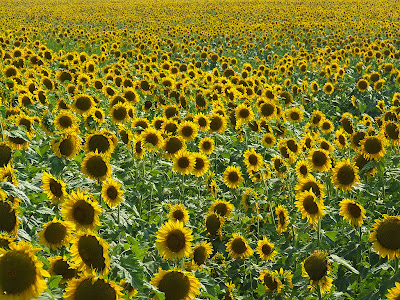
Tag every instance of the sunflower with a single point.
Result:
(111, 192)
(152, 139)
(305, 184)
(385, 234)
(56, 234)
(316, 118)
(83, 104)
(303, 168)
(229, 291)
(187, 130)
(61, 266)
(341, 138)
(8, 174)
(362, 85)
(280, 166)
(394, 292)
(327, 126)
(345, 175)
(217, 123)
(265, 249)
(201, 252)
(294, 114)
(6, 240)
(184, 162)
(55, 189)
(21, 273)
(328, 88)
(222, 208)
(174, 240)
(316, 267)
(66, 121)
(237, 247)
(271, 281)
(244, 113)
(96, 166)
(176, 284)
(100, 142)
(319, 160)
(206, 145)
(138, 149)
(253, 160)
(178, 212)
(82, 210)
(5, 154)
(67, 145)
(267, 110)
(268, 140)
(373, 147)
(17, 143)
(392, 132)
(352, 212)
(91, 287)
(232, 177)
(214, 224)
(282, 215)
(9, 221)
(201, 165)
(310, 207)
(356, 138)
(172, 146)
(90, 253)
(119, 113)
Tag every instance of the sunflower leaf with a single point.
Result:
(342, 261)
(12, 190)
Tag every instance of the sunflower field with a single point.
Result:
(204, 149)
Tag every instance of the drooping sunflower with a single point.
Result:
(61, 266)
(178, 212)
(214, 224)
(91, 287)
(9, 221)
(352, 212)
(67, 145)
(345, 175)
(265, 249)
(55, 234)
(82, 210)
(172, 146)
(310, 207)
(5, 154)
(385, 234)
(238, 247)
(152, 139)
(217, 123)
(174, 240)
(100, 142)
(271, 281)
(96, 166)
(316, 118)
(317, 267)
(280, 166)
(201, 252)
(282, 215)
(111, 192)
(55, 189)
(176, 284)
(392, 132)
(66, 121)
(187, 130)
(21, 272)
(17, 143)
(232, 177)
(319, 160)
(373, 147)
(138, 149)
(222, 208)
(206, 145)
(394, 292)
(201, 165)
(184, 162)
(341, 139)
(253, 160)
(90, 253)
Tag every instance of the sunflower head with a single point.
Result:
(214, 224)
(237, 247)
(176, 284)
(232, 177)
(316, 267)
(67, 145)
(206, 145)
(111, 192)
(178, 212)
(55, 189)
(201, 252)
(174, 240)
(282, 215)
(184, 162)
(385, 234)
(96, 166)
(352, 212)
(271, 281)
(345, 175)
(201, 164)
(56, 234)
(265, 249)
(61, 266)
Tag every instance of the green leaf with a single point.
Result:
(342, 261)
(54, 281)
(331, 235)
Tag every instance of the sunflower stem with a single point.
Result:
(318, 232)
(396, 264)
(119, 205)
(319, 292)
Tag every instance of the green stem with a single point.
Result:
(318, 232)
(319, 292)
(119, 205)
